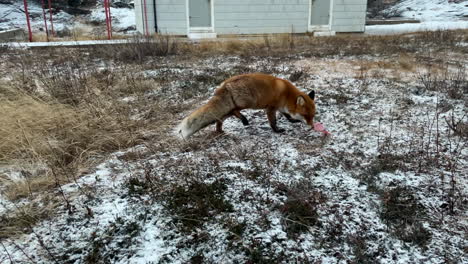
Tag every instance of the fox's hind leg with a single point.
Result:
(219, 123)
(219, 126)
(238, 114)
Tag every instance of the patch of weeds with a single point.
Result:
(95, 254)
(300, 211)
(400, 207)
(146, 183)
(133, 156)
(196, 202)
(402, 213)
(453, 83)
(256, 173)
(197, 259)
(359, 247)
(219, 77)
(236, 229)
(113, 243)
(383, 163)
(458, 126)
(195, 145)
(242, 151)
(340, 98)
(199, 238)
(462, 129)
(295, 76)
(334, 229)
(386, 162)
(137, 187)
(258, 252)
(140, 49)
(444, 38)
(23, 218)
(212, 77)
(204, 78)
(190, 89)
(239, 69)
(415, 233)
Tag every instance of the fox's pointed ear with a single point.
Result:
(300, 101)
(312, 94)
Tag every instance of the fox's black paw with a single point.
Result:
(278, 130)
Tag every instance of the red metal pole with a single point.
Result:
(107, 20)
(51, 20)
(45, 20)
(27, 20)
(110, 17)
(146, 18)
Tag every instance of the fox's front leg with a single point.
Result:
(271, 114)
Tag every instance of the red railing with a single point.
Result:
(28, 19)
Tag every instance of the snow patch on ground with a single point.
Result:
(122, 18)
(433, 10)
(433, 14)
(415, 27)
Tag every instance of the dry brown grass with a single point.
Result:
(395, 68)
(59, 140)
(76, 34)
(27, 121)
(42, 37)
(245, 45)
(406, 62)
(342, 44)
(139, 48)
(406, 45)
(58, 120)
(23, 219)
(47, 142)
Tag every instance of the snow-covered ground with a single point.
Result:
(122, 18)
(140, 210)
(12, 16)
(433, 14)
(433, 10)
(415, 27)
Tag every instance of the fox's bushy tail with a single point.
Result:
(217, 107)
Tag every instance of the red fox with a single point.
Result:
(251, 91)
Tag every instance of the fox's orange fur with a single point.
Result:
(251, 91)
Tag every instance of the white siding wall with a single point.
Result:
(170, 14)
(252, 16)
(260, 16)
(349, 15)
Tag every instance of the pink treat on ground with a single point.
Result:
(320, 128)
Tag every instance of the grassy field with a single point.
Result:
(91, 171)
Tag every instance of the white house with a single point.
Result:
(209, 18)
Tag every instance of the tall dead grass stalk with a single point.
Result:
(49, 135)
